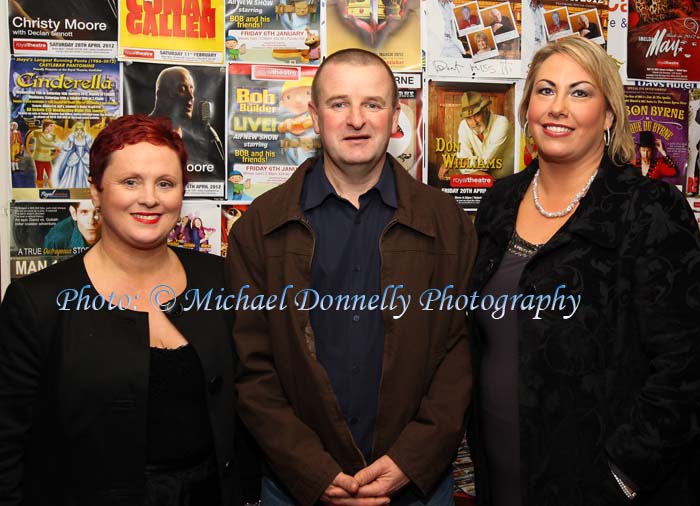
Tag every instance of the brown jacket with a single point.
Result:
(286, 398)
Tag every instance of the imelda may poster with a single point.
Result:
(173, 31)
(63, 27)
(659, 120)
(663, 41)
(470, 138)
(269, 127)
(43, 233)
(273, 31)
(193, 98)
(58, 106)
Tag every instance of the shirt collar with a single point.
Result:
(317, 187)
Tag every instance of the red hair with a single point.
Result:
(133, 129)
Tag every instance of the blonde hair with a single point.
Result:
(604, 71)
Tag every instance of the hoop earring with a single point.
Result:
(606, 137)
(525, 128)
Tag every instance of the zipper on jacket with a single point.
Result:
(391, 223)
(339, 412)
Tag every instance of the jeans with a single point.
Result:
(273, 495)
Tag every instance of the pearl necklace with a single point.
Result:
(567, 209)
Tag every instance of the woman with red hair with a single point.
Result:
(110, 392)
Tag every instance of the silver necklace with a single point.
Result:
(567, 209)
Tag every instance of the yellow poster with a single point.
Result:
(390, 28)
(172, 31)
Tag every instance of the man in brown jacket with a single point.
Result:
(353, 382)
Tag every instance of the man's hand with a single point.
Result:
(380, 479)
(443, 173)
(343, 492)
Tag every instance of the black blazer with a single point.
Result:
(74, 387)
(619, 381)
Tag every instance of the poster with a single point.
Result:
(663, 42)
(273, 31)
(406, 145)
(57, 107)
(390, 28)
(43, 233)
(193, 97)
(230, 214)
(692, 186)
(555, 19)
(659, 121)
(198, 228)
(471, 137)
(269, 127)
(69, 28)
(479, 39)
(177, 31)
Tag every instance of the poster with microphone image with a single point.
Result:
(193, 98)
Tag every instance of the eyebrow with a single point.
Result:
(572, 85)
(377, 98)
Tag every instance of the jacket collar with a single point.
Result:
(595, 218)
(409, 212)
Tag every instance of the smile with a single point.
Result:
(558, 129)
(148, 219)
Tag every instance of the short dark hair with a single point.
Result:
(133, 129)
(354, 56)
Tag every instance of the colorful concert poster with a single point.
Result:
(273, 31)
(479, 39)
(270, 131)
(199, 227)
(193, 97)
(659, 121)
(390, 28)
(178, 31)
(663, 41)
(57, 108)
(66, 28)
(471, 137)
(406, 145)
(44, 233)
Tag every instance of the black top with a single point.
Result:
(498, 381)
(346, 262)
(179, 433)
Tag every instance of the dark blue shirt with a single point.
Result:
(346, 262)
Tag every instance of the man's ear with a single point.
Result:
(314, 116)
(73, 212)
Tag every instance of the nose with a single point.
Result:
(558, 106)
(356, 117)
(148, 196)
